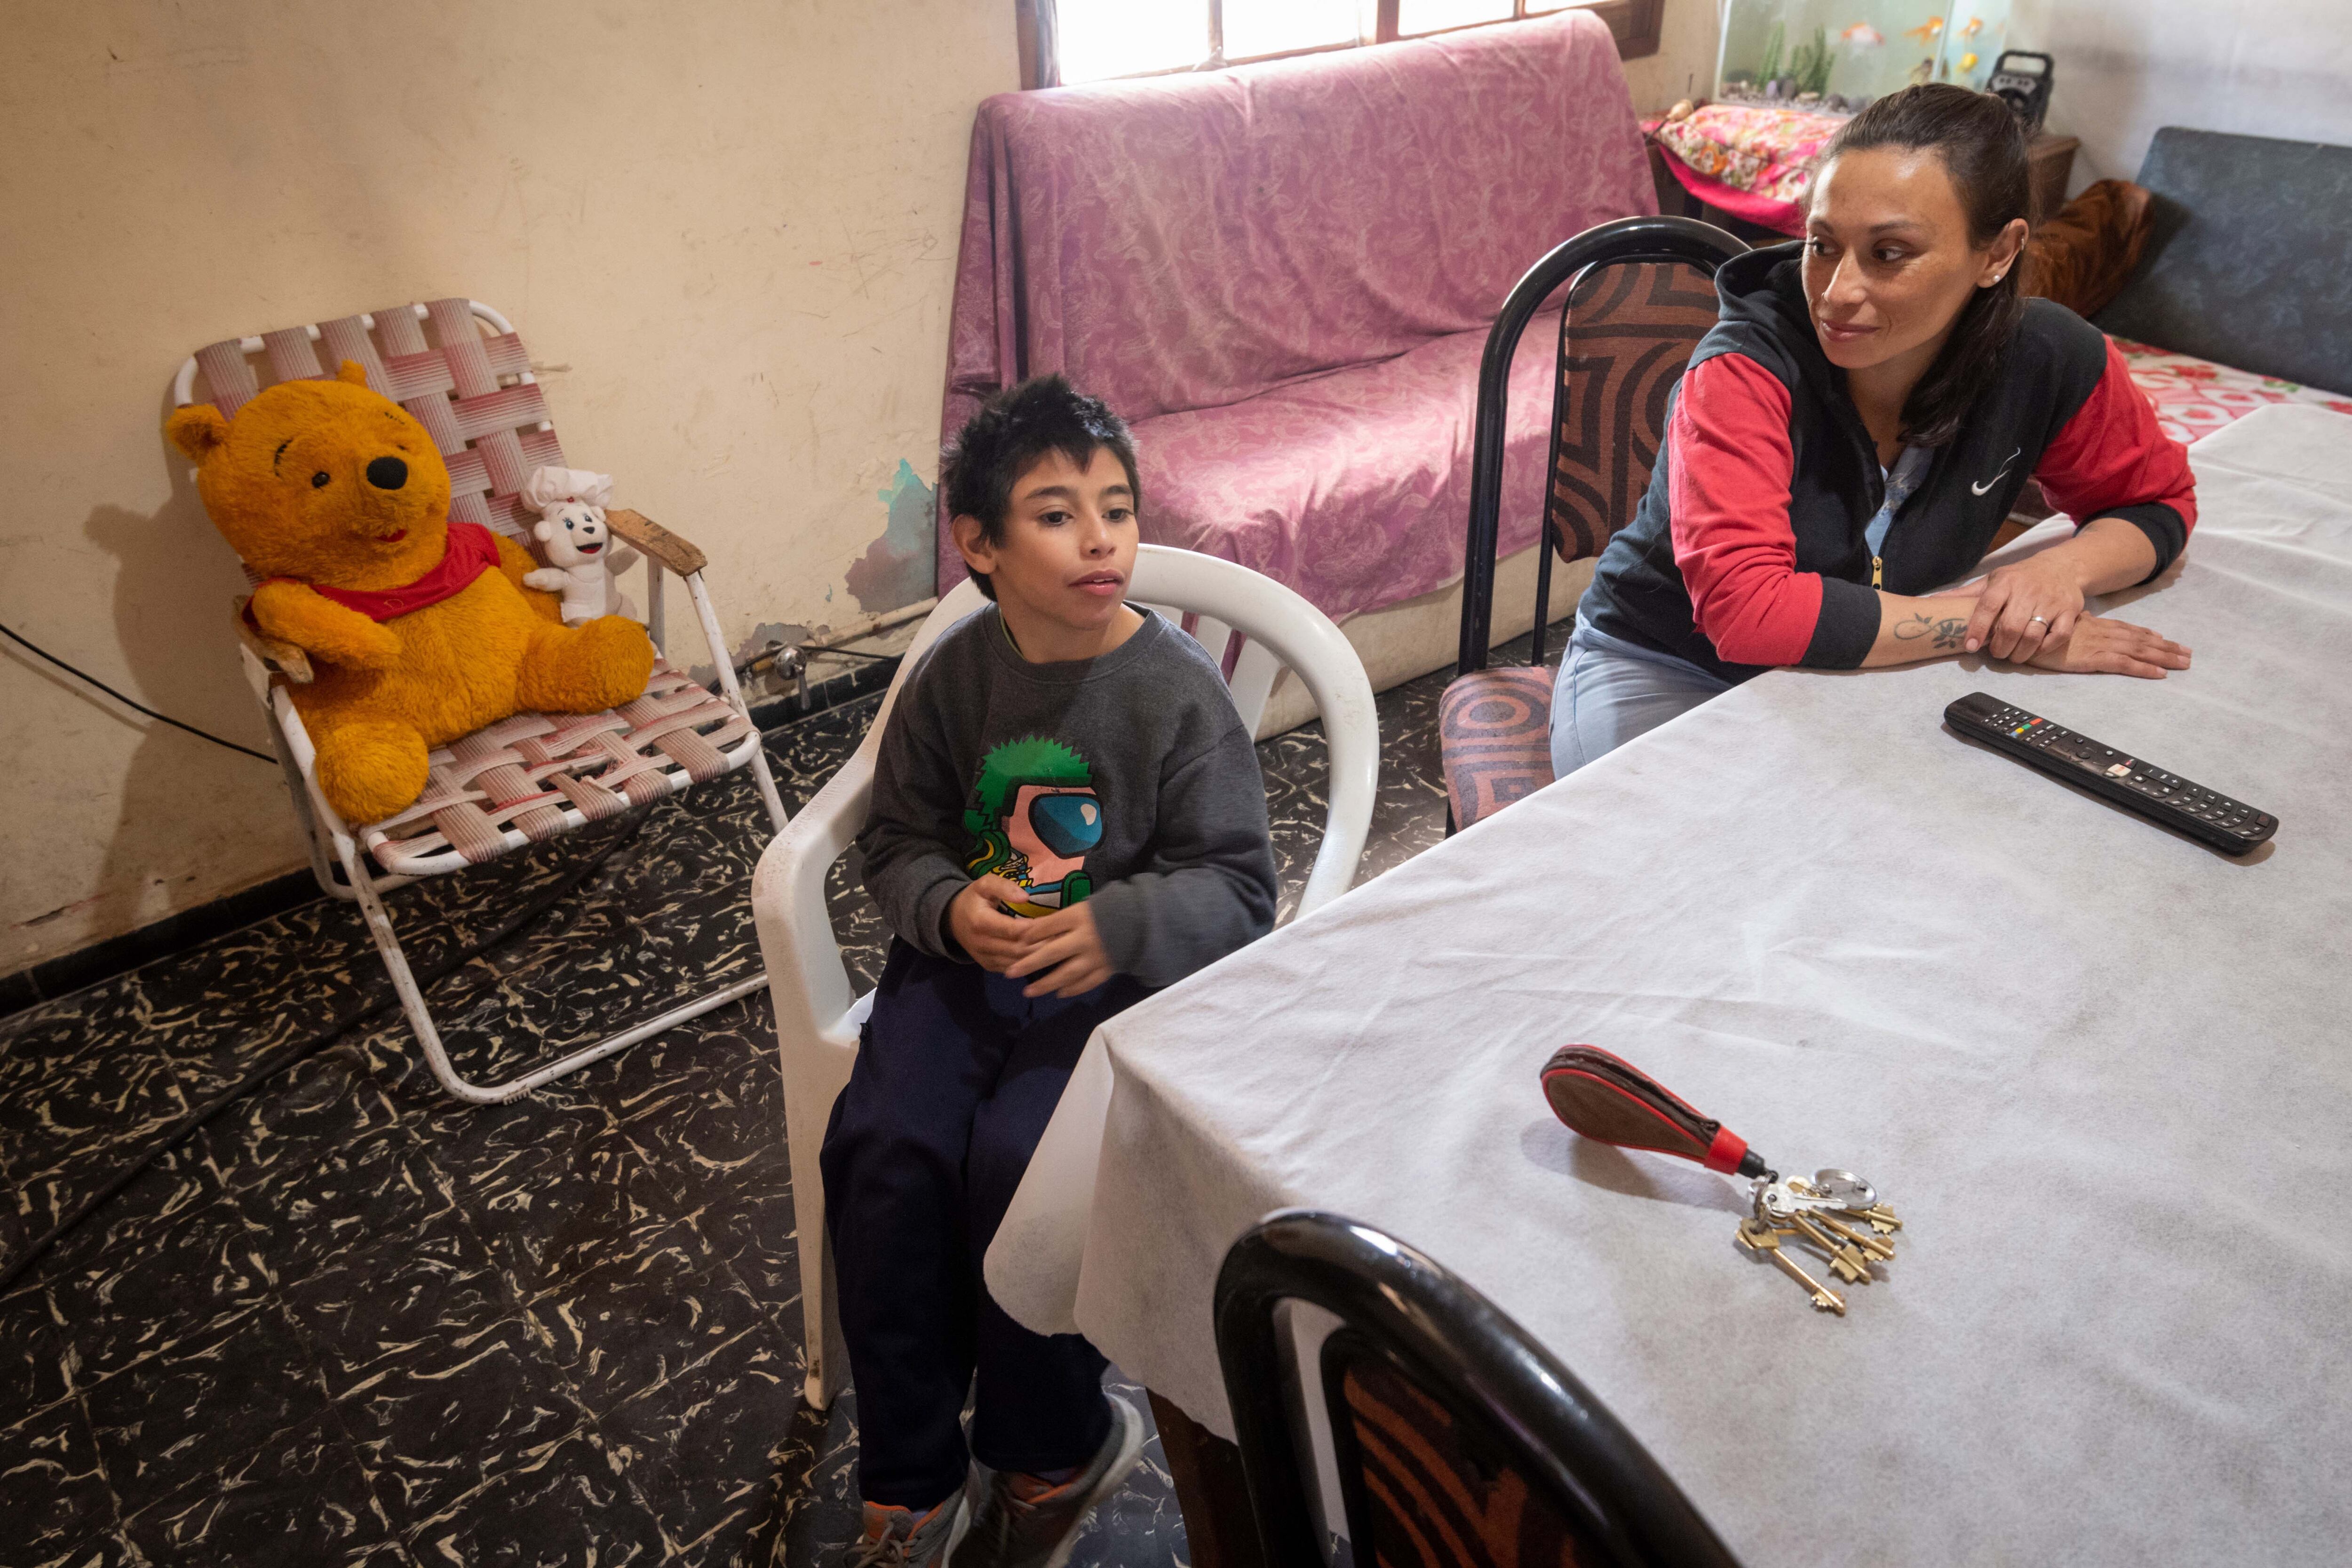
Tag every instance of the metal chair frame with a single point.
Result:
(1457, 1347)
(1617, 243)
(341, 864)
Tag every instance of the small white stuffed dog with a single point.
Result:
(572, 535)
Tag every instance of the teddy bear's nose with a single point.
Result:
(387, 473)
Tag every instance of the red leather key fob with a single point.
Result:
(1609, 1099)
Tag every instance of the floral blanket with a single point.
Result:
(2195, 397)
(1750, 147)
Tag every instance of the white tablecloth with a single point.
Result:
(2105, 1074)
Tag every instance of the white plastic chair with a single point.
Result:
(1258, 626)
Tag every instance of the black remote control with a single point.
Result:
(2230, 825)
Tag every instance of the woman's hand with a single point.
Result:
(1065, 952)
(2097, 645)
(2023, 608)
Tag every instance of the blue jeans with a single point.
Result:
(957, 1075)
(1610, 690)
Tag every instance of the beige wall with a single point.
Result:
(725, 228)
(1684, 65)
(2125, 68)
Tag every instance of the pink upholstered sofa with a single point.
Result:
(1282, 276)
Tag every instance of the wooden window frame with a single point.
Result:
(1634, 23)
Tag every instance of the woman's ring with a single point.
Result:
(2030, 620)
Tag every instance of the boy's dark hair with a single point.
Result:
(1011, 431)
(1983, 150)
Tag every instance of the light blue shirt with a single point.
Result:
(1910, 467)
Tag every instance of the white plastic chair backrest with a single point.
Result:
(1283, 630)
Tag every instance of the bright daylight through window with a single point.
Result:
(1101, 38)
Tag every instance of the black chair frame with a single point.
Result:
(1622, 240)
(1459, 1349)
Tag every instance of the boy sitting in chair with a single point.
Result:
(1068, 814)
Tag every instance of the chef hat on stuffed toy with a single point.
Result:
(547, 486)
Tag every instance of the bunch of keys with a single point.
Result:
(1837, 1213)
(1816, 1214)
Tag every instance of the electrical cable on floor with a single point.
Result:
(316, 1041)
(129, 702)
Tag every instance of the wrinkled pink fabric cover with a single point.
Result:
(1353, 487)
(1251, 264)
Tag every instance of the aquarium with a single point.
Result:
(1839, 55)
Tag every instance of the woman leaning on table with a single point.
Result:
(1853, 431)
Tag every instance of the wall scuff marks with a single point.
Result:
(899, 567)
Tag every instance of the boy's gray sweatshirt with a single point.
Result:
(1126, 782)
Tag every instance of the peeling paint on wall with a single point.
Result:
(898, 568)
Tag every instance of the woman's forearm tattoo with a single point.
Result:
(1947, 630)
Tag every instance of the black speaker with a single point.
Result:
(2025, 92)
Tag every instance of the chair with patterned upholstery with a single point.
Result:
(1459, 1441)
(1640, 294)
(536, 775)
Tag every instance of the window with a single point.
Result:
(1094, 40)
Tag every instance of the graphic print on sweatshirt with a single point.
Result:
(1033, 816)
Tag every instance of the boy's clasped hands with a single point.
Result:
(1063, 950)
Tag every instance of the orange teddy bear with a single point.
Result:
(420, 627)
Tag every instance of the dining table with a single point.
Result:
(2101, 1071)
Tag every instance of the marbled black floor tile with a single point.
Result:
(704, 1447)
(642, 1314)
(420, 1294)
(54, 1495)
(89, 1108)
(435, 1419)
(34, 1349)
(749, 1225)
(564, 1504)
(169, 1261)
(720, 1124)
(110, 1549)
(173, 1418)
(557, 1191)
(298, 1499)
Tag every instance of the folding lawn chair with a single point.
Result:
(458, 366)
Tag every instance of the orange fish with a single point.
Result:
(1861, 35)
(1926, 31)
(1974, 26)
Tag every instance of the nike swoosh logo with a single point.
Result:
(1980, 489)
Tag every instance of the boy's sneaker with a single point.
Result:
(1016, 1521)
(901, 1538)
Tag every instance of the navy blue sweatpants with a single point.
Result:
(957, 1075)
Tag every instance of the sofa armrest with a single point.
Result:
(635, 528)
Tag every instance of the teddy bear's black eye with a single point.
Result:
(319, 480)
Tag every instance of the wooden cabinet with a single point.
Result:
(2050, 159)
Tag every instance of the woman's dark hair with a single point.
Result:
(1983, 150)
(1011, 431)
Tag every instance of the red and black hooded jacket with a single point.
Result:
(1747, 551)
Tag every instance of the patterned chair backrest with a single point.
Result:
(474, 393)
(1428, 1489)
(1628, 331)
